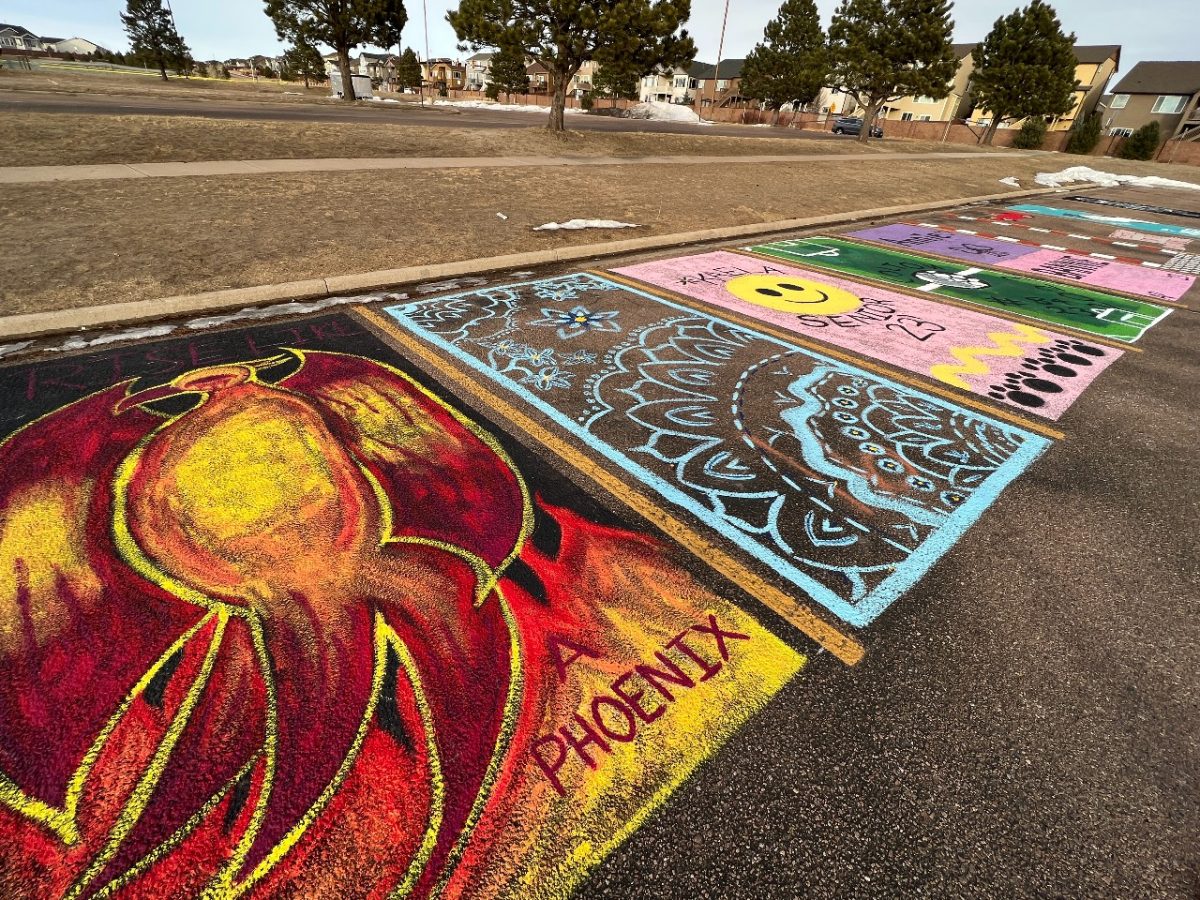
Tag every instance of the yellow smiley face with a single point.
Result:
(786, 293)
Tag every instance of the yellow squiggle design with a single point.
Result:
(1006, 343)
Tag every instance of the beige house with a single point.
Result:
(444, 73)
(926, 109)
(1095, 66)
(479, 71)
(1163, 92)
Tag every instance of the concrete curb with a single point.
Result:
(34, 325)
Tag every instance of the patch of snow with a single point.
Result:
(664, 112)
(1107, 179)
(1011, 181)
(283, 309)
(580, 224)
(383, 100)
(502, 107)
(113, 337)
(502, 217)
(6, 349)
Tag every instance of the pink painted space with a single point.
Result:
(1141, 281)
(907, 332)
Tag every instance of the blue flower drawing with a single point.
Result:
(579, 358)
(508, 347)
(549, 378)
(577, 321)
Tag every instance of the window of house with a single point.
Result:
(1119, 101)
(925, 118)
(906, 117)
(1169, 103)
(680, 82)
(1120, 132)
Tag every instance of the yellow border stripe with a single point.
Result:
(904, 378)
(844, 647)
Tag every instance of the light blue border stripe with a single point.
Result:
(888, 591)
(1115, 221)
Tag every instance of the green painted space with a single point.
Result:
(1107, 315)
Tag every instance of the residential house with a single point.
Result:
(1095, 67)
(539, 78)
(76, 45)
(718, 85)
(239, 67)
(379, 67)
(955, 105)
(444, 73)
(1163, 92)
(14, 37)
(658, 87)
(582, 82)
(479, 71)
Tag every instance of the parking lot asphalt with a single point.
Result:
(1025, 717)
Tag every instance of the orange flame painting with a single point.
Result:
(289, 626)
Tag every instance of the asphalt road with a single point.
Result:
(1027, 720)
(437, 117)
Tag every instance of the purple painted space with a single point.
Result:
(1103, 273)
(1140, 281)
(1033, 369)
(967, 247)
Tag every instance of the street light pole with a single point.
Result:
(720, 50)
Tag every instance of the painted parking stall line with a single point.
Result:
(1032, 369)
(1096, 270)
(1104, 315)
(781, 451)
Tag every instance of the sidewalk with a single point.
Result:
(41, 174)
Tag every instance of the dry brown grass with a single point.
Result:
(58, 139)
(109, 241)
(67, 80)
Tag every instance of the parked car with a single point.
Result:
(853, 125)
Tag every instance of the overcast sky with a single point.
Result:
(220, 29)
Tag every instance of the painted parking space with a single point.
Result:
(1153, 284)
(997, 223)
(1138, 207)
(1103, 315)
(844, 484)
(330, 632)
(1031, 369)
(1117, 221)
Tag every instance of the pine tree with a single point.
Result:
(563, 36)
(617, 79)
(1142, 144)
(509, 72)
(882, 50)
(791, 64)
(1025, 67)
(1085, 134)
(153, 37)
(408, 72)
(303, 61)
(343, 25)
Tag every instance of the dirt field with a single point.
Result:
(50, 139)
(110, 241)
